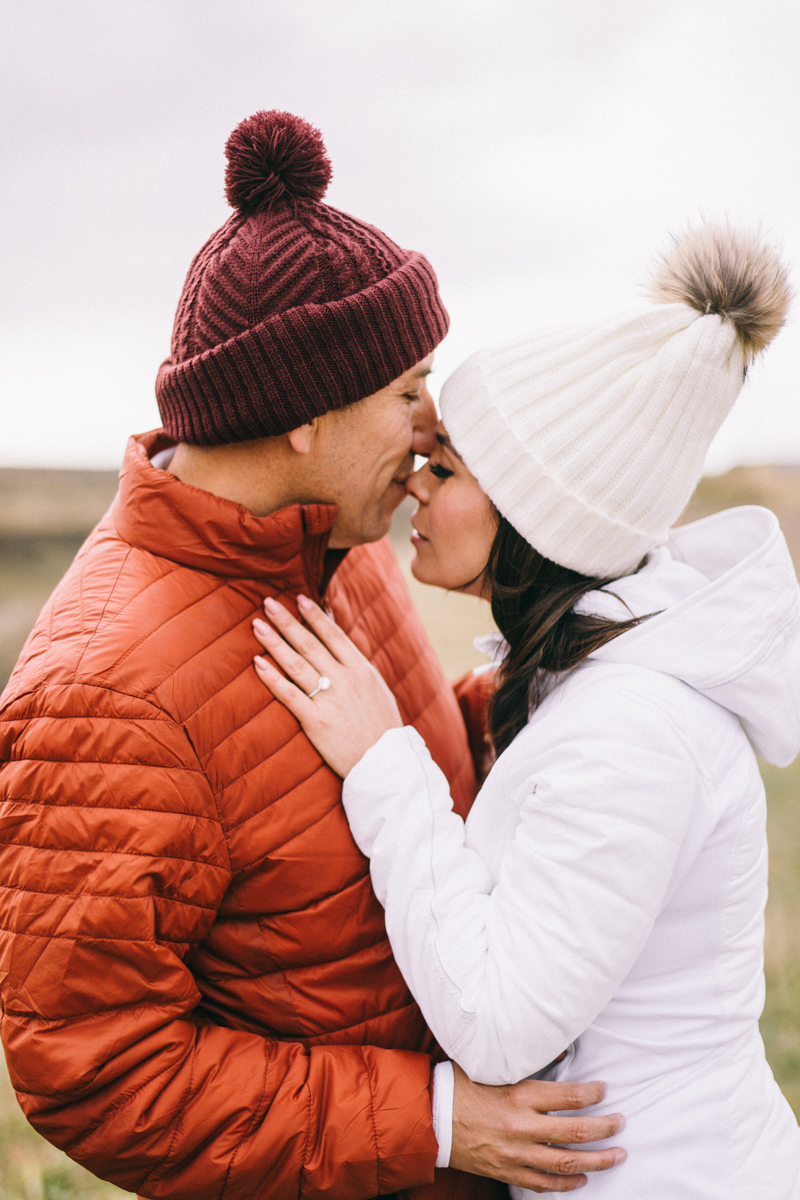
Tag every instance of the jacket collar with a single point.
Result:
(156, 512)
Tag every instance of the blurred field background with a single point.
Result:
(44, 517)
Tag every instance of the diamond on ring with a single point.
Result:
(322, 686)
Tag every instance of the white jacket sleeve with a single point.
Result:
(509, 972)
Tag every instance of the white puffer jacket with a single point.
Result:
(607, 891)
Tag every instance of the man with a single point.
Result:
(199, 997)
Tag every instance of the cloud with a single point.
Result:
(537, 150)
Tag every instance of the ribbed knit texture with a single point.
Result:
(288, 313)
(590, 441)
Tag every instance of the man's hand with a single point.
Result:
(505, 1133)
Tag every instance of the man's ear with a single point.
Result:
(301, 439)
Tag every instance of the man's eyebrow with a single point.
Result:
(419, 375)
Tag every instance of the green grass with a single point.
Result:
(32, 1169)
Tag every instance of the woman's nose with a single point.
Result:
(415, 485)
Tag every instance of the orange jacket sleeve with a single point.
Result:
(114, 865)
(473, 693)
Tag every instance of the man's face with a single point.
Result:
(365, 453)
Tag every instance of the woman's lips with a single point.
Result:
(417, 539)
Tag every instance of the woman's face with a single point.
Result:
(455, 523)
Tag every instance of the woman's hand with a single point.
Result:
(353, 712)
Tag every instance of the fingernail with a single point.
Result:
(303, 601)
(261, 625)
(260, 662)
(620, 1157)
(271, 605)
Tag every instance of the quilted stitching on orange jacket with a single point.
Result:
(199, 997)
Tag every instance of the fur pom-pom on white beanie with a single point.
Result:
(590, 440)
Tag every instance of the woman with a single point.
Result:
(606, 893)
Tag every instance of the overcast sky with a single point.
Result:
(537, 151)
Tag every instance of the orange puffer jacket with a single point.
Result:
(199, 999)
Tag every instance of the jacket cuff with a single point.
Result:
(402, 1125)
(442, 1109)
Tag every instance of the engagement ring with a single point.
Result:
(322, 686)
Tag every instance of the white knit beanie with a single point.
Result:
(590, 440)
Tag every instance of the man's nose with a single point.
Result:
(423, 440)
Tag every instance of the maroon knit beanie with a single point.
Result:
(292, 308)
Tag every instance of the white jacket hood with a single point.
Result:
(728, 622)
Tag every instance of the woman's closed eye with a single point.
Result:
(439, 471)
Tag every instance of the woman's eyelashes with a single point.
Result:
(439, 471)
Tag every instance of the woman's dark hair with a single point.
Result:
(532, 602)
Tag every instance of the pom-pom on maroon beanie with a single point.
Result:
(292, 308)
